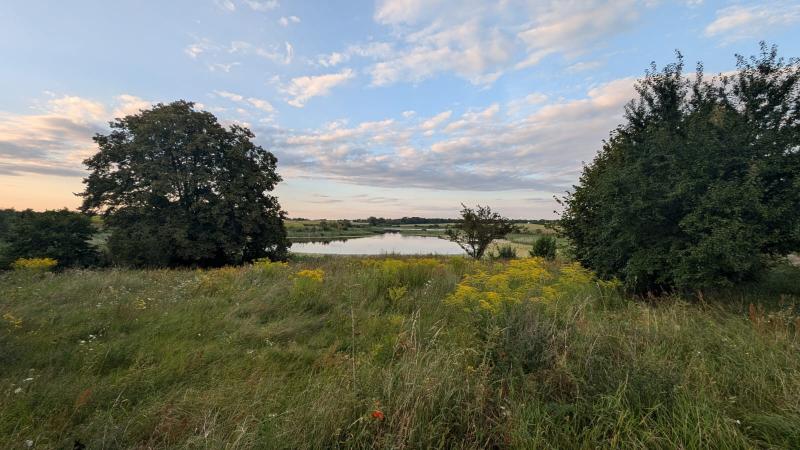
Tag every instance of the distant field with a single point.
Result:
(392, 353)
(313, 229)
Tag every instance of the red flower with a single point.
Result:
(377, 415)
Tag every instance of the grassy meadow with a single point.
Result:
(393, 353)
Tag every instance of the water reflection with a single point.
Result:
(380, 244)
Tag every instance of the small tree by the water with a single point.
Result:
(477, 228)
(544, 247)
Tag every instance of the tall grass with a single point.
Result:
(366, 352)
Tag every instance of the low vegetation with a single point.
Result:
(392, 353)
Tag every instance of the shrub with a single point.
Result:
(506, 252)
(60, 234)
(34, 264)
(699, 188)
(544, 247)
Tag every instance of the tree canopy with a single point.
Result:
(59, 234)
(700, 187)
(477, 228)
(176, 188)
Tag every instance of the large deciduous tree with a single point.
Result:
(175, 188)
(700, 187)
(477, 228)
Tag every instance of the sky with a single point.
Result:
(374, 108)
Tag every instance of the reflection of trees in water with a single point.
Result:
(319, 240)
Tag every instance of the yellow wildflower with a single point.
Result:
(34, 264)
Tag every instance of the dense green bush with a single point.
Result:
(506, 252)
(544, 247)
(61, 235)
(701, 186)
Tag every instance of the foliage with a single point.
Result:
(58, 234)
(397, 293)
(700, 187)
(165, 363)
(522, 280)
(34, 264)
(315, 275)
(506, 251)
(176, 188)
(544, 247)
(269, 267)
(477, 228)
(396, 272)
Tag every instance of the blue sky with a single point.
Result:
(386, 108)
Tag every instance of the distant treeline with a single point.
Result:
(427, 220)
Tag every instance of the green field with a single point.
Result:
(393, 353)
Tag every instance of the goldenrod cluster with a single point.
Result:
(530, 279)
(34, 264)
(268, 267)
(311, 274)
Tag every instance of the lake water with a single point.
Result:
(380, 244)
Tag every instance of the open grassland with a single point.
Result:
(392, 353)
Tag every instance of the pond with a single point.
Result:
(380, 244)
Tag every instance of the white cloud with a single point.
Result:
(58, 137)
(431, 124)
(222, 67)
(130, 104)
(332, 60)
(301, 89)
(471, 51)
(262, 5)
(273, 53)
(473, 118)
(257, 103)
(199, 47)
(286, 21)
(485, 151)
(748, 21)
(77, 109)
(263, 105)
(570, 27)
(520, 104)
(584, 66)
(227, 5)
(481, 40)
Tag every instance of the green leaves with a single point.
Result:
(58, 234)
(699, 188)
(176, 188)
(477, 229)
